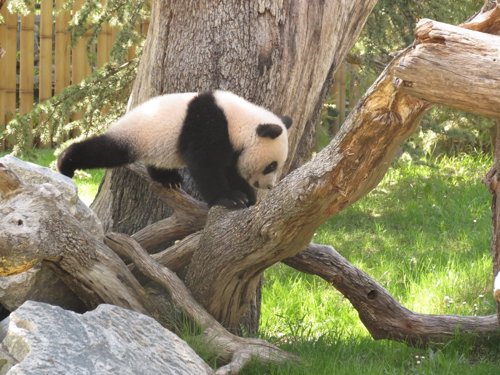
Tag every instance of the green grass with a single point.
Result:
(424, 234)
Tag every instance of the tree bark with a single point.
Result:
(450, 59)
(380, 313)
(278, 54)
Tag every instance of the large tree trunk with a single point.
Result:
(278, 54)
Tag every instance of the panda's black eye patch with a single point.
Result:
(270, 168)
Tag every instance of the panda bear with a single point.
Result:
(229, 145)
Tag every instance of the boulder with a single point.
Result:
(37, 175)
(42, 339)
(40, 283)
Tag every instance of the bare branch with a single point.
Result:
(179, 255)
(429, 70)
(382, 315)
(189, 215)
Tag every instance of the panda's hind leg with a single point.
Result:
(167, 177)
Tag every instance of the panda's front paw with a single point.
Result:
(233, 200)
(172, 185)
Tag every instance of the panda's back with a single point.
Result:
(153, 128)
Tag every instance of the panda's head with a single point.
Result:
(261, 160)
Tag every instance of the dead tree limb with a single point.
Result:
(381, 314)
(453, 66)
(37, 227)
(188, 215)
(241, 244)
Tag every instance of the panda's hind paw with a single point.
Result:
(172, 185)
(234, 200)
(169, 178)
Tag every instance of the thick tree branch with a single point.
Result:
(37, 226)
(243, 243)
(429, 70)
(381, 314)
(285, 220)
(188, 215)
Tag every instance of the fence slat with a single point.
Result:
(62, 48)
(103, 46)
(45, 62)
(10, 65)
(45, 50)
(27, 68)
(27, 63)
(79, 58)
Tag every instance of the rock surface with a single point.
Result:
(35, 174)
(40, 339)
(40, 283)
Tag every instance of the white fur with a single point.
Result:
(243, 118)
(160, 120)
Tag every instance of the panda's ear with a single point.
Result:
(287, 121)
(269, 130)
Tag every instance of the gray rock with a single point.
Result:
(42, 339)
(35, 174)
(40, 283)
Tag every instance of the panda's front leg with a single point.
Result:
(238, 183)
(215, 188)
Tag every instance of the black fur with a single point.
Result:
(167, 177)
(272, 131)
(98, 152)
(287, 121)
(211, 159)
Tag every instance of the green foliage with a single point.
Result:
(450, 132)
(391, 25)
(102, 96)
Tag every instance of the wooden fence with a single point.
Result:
(38, 60)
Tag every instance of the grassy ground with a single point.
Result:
(424, 234)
